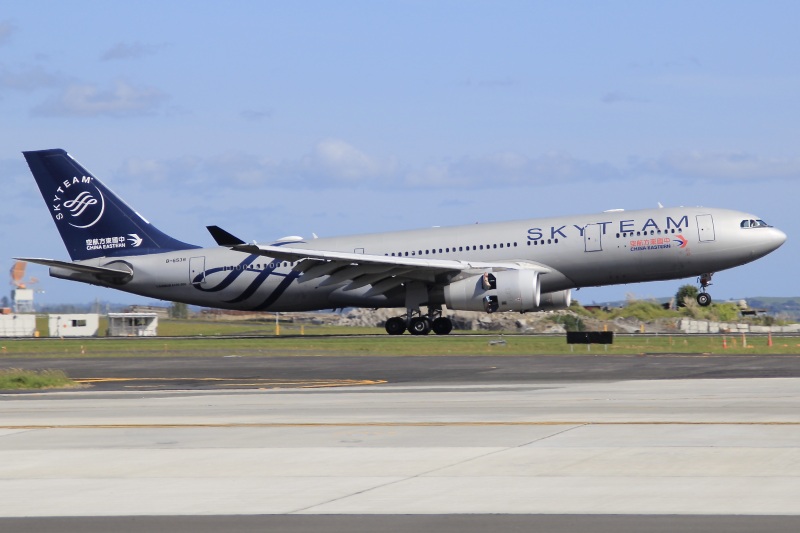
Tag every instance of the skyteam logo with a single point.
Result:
(78, 202)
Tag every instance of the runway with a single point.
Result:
(410, 445)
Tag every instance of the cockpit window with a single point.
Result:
(754, 224)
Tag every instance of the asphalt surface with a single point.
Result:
(203, 373)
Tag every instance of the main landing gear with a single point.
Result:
(703, 298)
(420, 324)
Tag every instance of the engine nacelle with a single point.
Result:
(553, 301)
(507, 290)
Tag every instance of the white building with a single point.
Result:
(74, 325)
(17, 325)
(22, 300)
(132, 324)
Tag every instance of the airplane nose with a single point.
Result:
(765, 242)
(778, 238)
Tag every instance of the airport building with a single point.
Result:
(16, 325)
(132, 324)
(73, 325)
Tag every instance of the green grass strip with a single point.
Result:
(16, 379)
(391, 345)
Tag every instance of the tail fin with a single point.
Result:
(92, 220)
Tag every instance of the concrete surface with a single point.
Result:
(683, 447)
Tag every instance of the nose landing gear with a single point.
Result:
(703, 298)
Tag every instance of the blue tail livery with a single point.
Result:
(92, 220)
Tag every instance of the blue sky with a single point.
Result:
(287, 118)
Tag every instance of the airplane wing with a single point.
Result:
(381, 272)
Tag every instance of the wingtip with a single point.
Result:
(222, 237)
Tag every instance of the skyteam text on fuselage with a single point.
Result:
(522, 266)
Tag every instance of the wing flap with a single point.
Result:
(381, 272)
(344, 258)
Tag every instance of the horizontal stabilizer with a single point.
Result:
(222, 237)
(77, 267)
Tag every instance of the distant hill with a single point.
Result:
(780, 307)
(777, 306)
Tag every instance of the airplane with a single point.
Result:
(519, 266)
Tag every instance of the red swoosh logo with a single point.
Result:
(682, 240)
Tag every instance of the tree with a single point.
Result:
(179, 310)
(685, 292)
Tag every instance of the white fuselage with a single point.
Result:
(586, 250)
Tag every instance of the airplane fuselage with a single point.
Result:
(608, 248)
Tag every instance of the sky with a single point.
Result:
(291, 118)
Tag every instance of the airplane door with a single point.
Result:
(197, 270)
(705, 228)
(591, 238)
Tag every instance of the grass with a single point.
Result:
(385, 345)
(15, 379)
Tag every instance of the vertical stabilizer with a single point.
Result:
(92, 220)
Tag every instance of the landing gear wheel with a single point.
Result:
(704, 299)
(442, 326)
(395, 326)
(419, 325)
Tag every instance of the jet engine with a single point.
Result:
(553, 301)
(507, 290)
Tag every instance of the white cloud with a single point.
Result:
(130, 51)
(6, 30)
(330, 162)
(505, 169)
(182, 170)
(28, 79)
(255, 114)
(339, 160)
(721, 166)
(87, 100)
(334, 163)
(617, 97)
